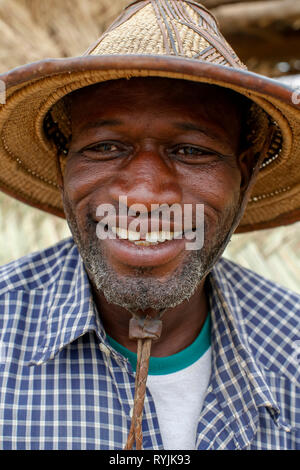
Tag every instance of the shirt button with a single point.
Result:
(104, 348)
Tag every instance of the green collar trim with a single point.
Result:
(176, 362)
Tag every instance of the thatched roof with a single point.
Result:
(31, 30)
(265, 33)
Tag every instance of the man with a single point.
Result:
(159, 114)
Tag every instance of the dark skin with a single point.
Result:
(147, 140)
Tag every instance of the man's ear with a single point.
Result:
(247, 162)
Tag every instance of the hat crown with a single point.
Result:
(182, 28)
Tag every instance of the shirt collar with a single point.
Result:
(69, 310)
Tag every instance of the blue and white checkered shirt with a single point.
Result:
(64, 387)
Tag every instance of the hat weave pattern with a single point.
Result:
(168, 27)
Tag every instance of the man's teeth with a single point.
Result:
(149, 238)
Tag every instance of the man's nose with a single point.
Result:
(148, 178)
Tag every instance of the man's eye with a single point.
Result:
(189, 151)
(105, 147)
(105, 151)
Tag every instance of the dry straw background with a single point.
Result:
(35, 29)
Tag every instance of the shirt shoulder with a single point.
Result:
(269, 316)
(255, 291)
(38, 270)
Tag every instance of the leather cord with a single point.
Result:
(135, 432)
(144, 330)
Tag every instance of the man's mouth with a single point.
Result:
(147, 239)
(141, 248)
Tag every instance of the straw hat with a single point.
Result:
(176, 39)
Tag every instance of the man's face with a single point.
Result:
(155, 141)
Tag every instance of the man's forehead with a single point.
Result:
(167, 88)
(158, 98)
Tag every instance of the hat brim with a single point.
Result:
(28, 160)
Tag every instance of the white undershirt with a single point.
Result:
(178, 399)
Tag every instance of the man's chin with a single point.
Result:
(142, 290)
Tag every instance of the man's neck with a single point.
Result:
(181, 325)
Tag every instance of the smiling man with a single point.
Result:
(127, 335)
(163, 151)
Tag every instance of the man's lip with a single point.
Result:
(128, 253)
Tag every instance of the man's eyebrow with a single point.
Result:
(182, 125)
(190, 126)
(101, 123)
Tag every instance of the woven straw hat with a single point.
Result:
(176, 39)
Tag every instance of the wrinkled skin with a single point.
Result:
(155, 141)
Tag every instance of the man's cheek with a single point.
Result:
(218, 219)
(216, 186)
(79, 179)
(75, 217)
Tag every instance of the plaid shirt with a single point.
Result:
(64, 387)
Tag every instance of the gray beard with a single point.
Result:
(141, 291)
